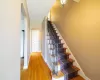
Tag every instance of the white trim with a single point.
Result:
(81, 73)
(86, 78)
(46, 47)
(49, 66)
(25, 67)
(30, 41)
(26, 44)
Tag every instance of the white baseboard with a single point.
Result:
(25, 67)
(86, 78)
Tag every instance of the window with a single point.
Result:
(63, 2)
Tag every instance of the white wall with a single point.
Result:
(22, 35)
(43, 30)
(22, 21)
(27, 33)
(27, 44)
(9, 39)
(22, 43)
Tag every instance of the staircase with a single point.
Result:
(62, 65)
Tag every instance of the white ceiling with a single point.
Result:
(38, 9)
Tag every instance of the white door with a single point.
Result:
(36, 43)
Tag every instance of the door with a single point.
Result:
(36, 43)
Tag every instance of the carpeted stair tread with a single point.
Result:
(63, 61)
(77, 78)
(70, 70)
(58, 48)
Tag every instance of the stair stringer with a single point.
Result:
(80, 72)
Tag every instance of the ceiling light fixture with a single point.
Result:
(63, 2)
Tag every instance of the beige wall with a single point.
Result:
(79, 24)
(10, 39)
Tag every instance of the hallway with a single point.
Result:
(37, 69)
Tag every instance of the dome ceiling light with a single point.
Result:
(63, 2)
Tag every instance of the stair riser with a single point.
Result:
(61, 51)
(51, 27)
(62, 57)
(54, 38)
(58, 52)
(59, 45)
(53, 34)
(66, 65)
(51, 30)
(72, 75)
(54, 41)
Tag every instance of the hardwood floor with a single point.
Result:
(37, 69)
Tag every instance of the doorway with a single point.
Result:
(35, 41)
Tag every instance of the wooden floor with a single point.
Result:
(23, 72)
(24, 75)
(37, 69)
